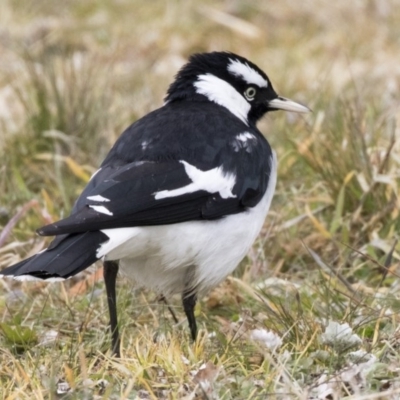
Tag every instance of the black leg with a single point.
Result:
(164, 300)
(189, 302)
(110, 277)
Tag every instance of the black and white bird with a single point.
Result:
(181, 196)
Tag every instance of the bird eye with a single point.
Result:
(250, 92)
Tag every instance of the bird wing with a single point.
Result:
(147, 193)
(178, 163)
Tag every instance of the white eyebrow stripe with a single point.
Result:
(248, 74)
(224, 94)
(212, 181)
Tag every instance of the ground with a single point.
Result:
(312, 312)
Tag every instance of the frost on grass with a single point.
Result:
(339, 336)
(354, 377)
(361, 364)
(268, 338)
(48, 338)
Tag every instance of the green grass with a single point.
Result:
(74, 74)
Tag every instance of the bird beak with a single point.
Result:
(280, 103)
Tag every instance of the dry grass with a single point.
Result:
(73, 74)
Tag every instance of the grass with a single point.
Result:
(321, 280)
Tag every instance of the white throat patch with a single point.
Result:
(224, 94)
(247, 73)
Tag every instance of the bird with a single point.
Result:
(182, 194)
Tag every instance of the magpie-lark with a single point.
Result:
(181, 196)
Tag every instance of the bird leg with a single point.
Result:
(189, 302)
(110, 272)
(164, 300)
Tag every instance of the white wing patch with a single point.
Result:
(244, 141)
(101, 210)
(247, 73)
(245, 136)
(145, 144)
(98, 198)
(212, 181)
(224, 94)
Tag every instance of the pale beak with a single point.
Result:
(280, 103)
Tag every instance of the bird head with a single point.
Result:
(232, 82)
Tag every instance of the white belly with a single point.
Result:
(164, 257)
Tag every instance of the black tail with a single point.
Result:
(66, 256)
